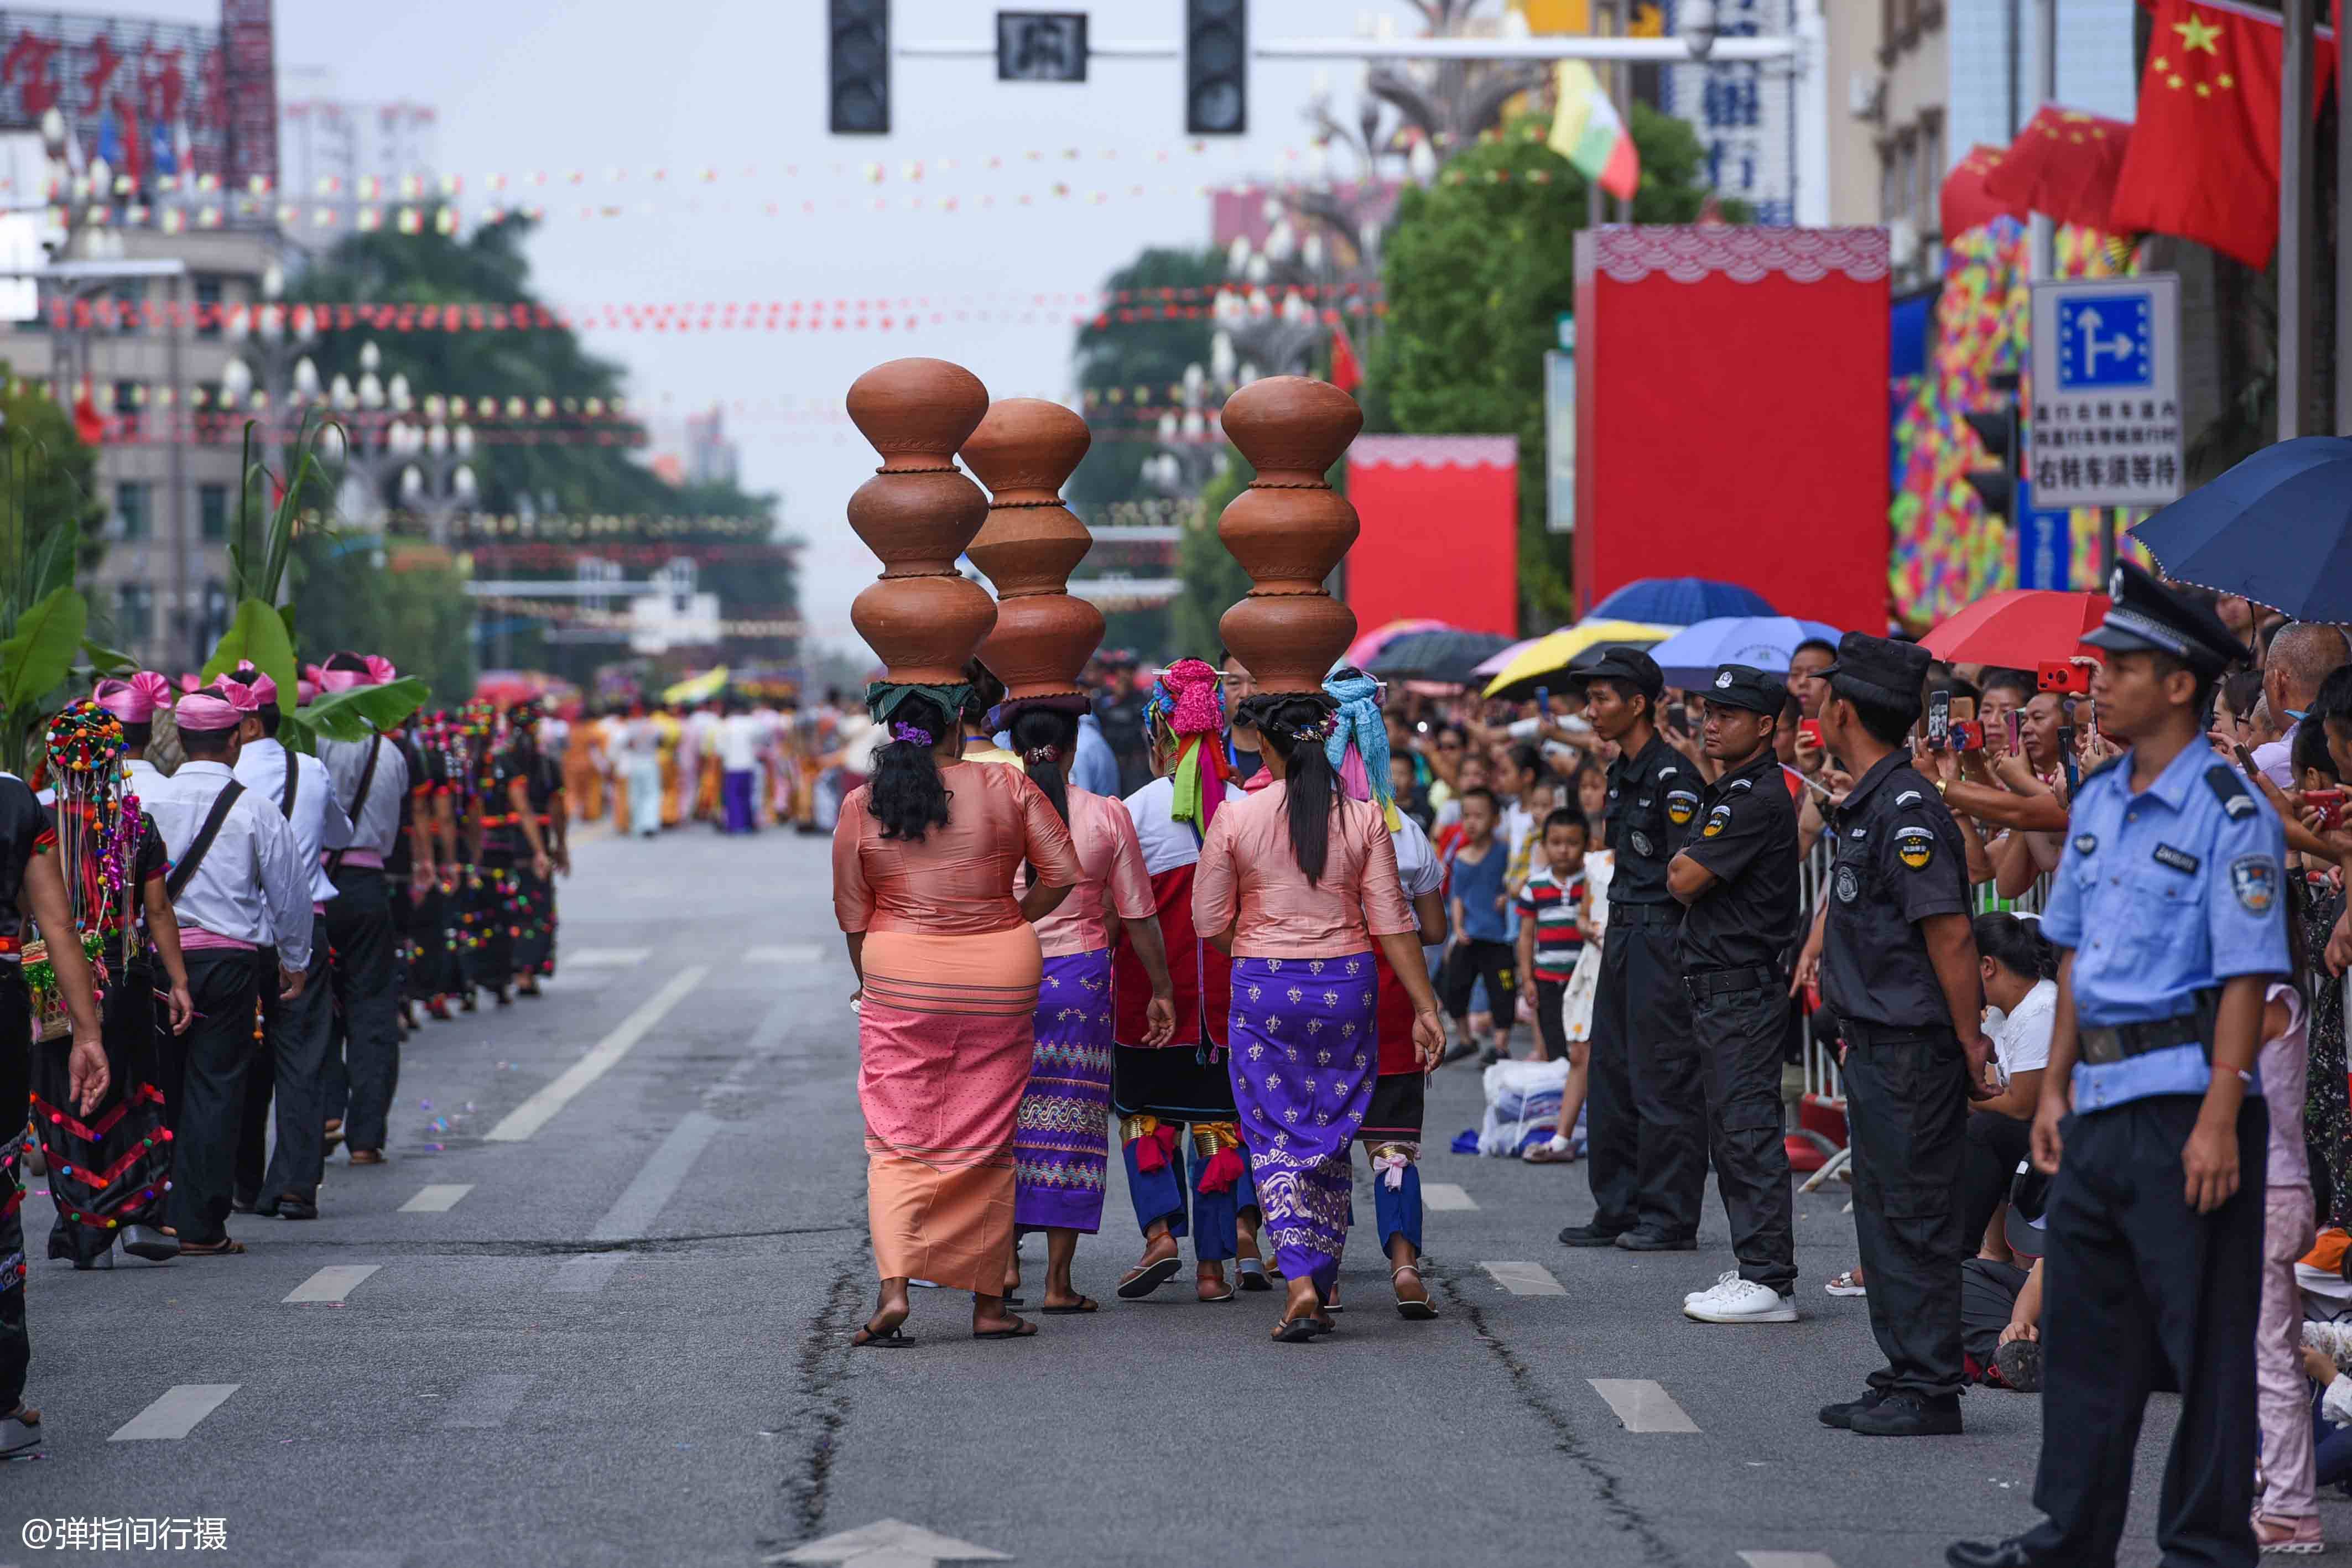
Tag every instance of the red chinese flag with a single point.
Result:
(2064, 165)
(1347, 373)
(1965, 203)
(89, 426)
(2204, 156)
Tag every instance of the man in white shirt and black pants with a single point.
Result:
(372, 781)
(240, 892)
(299, 1030)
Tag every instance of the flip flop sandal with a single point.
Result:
(225, 1248)
(1419, 1311)
(1026, 1331)
(1253, 1276)
(1846, 1285)
(1083, 1304)
(1140, 1282)
(1295, 1331)
(894, 1338)
(1549, 1154)
(19, 1429)
(1213, 1301)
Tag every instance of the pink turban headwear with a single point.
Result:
(135, 700)
(204, 712)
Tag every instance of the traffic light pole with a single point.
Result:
(1658, 51)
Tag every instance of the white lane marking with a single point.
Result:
(888, 1542)
(1525, 1278)
(438, 1199)
(486, 1402)
(175, 1414)
(584, 1275)
(334, 1283)
(1445, 1196)
(787, 953)
(536, 1112)
(1787, 1560)
(1642, 1404)
(604, 957)
(657, 1181)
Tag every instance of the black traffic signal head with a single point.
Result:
(859, 50)
(1216, 67)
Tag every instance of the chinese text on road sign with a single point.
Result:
(2106, 412)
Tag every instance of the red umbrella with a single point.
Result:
(2019, 627)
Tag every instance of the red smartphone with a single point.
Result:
(2331, 808)
(2068, 676)
(1811, 729)
(1965, 734)
(2016, 740)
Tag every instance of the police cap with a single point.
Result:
(1745, 687)
(2148, 617)
(1879, 670)
(1629, 665)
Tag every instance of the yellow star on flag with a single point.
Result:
(2197, 34)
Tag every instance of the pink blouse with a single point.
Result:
(1113, 878)
(958, 881)
(1247, 871)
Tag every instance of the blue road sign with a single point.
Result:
(2045, 544)
(2106, 343)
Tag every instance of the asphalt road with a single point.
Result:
(596, 1308)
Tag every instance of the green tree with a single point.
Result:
(1476, 269)
(404, 602)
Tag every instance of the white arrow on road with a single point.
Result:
(890, 1544)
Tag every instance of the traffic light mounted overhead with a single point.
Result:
(859, 39)
(1997, 429)
(1216, 67)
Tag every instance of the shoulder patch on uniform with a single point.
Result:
(1682, 805)
(2229, 788)
(1915, 846)
(1908, 797)
(2255, 880)
(1716, 820)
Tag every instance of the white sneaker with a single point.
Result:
(1738, 1300)
(1721, 1280)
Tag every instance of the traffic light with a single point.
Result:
(1997, 429)
(1216, 67)
(860, 55)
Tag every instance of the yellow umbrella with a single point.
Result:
(698, 688)
(1545, 661)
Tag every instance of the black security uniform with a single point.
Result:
(1730, 947)
(1900, 861)
(1646, 1146)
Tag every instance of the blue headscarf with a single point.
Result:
(1359, 724)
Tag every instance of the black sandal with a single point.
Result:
(1083, 1304)
(1146, 1278)
(1295, 1331)
(1026, 1331)
(891, 1338)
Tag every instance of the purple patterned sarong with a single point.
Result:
(1303, 1061)
(1061, 1146)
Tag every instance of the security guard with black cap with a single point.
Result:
(1898, 959)
(1736, 876)
(2169, 910)
(1644, 1112)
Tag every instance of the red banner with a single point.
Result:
(1440, 531)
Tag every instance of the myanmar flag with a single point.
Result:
(1588, 133)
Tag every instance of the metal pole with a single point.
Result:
(2045, 235)
(1596, 211)
(2343, 236)
(2295, 377)
(2016, 35)
(1621, 92)
(178, 456)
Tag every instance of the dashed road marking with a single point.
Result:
(785, 953)
(605, 958)
(1445, 1196)
(1522, 1279)
(175, 1414)
(584, 1275)
(536, 1112)
(438, 1199)
(657, 1181)
(332, 1283)
(1787, 1560)
(486, 1402)
(1642, 1406)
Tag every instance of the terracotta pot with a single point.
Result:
(1041, 643)
(1288, 541)
(1026, 449)
(917, 413)
(917, 523)
(1288, 642)
(1023, 452)
(1291, 428)
(924, 628)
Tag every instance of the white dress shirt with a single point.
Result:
(318, 821)
(377, 830)
(253, 885)
(140, 777)
(739, 743)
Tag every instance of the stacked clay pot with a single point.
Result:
(919, 513)
(1024, 452)
(1289, 530)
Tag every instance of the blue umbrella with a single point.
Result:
(2277, 529)
(1681, 601)
(1691, 656)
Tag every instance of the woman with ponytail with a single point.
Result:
(1299, 883)
(1062, 1149)
(2019, 968)
(924, 864)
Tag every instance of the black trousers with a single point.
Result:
(139, 1161)
(1474, 959)
(216, 1053)
(297, 1035)
(365, 981)
(1551, 1023)
(1995, 1145)
(1907, 1110)
(2135, 1281)
(1645, 1113)
(1739, 1036)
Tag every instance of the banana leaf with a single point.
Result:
(105, 661)
(41, 652)
(363, 711)
(256, 636)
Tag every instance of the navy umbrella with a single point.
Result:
(2277, 529)
(1680, 601)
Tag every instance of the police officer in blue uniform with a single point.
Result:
(1645, 1110)
(2169, 910)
